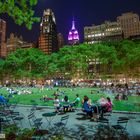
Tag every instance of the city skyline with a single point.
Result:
(85, 13)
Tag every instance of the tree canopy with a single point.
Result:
(20, 10)
(74, 61)
(26, 63)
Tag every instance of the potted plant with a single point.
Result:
(25, 134)
(10, 131)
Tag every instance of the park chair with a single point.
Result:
(6, 106)
(33, 121)
(36, 124)
(33, 108)
(13, 106)
(121, 125)
(107, 115)
(8, 117)
(103, 123)
(17, 118)
(3, 120)
(60, 126)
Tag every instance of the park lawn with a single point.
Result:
(131, 105)
(37, 95)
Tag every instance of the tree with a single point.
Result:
(20, 10)
(2, 62)
(31, 63)
(52, 65)
(72, 61)
(127, 57)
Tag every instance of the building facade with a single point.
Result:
(73, 36)
(14, 42)
(48, 33)
(108, 31)
(130, 24)
(2, 38)
(61, 41)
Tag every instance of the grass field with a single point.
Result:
(132, 104)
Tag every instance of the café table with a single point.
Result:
(49, 117)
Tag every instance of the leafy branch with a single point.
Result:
(20, 10)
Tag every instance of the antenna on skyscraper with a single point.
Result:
(73, 23)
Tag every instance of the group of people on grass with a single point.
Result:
(103, 105)
(65, 104)
(122, 89)
(121, 97)
(13, 91)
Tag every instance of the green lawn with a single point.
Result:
(133, 103)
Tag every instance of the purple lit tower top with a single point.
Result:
(73, 37)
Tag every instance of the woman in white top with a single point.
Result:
(56, 104)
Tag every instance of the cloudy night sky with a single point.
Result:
(85, 12)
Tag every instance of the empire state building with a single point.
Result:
(73, 36)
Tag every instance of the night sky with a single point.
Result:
(85, 12)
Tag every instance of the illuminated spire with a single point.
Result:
(73, 24)
(73, 36)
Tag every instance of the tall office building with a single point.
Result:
(60, 39)
(48, 33)
(130, 24)
(73, 36)
(2, 38)
(108, 31)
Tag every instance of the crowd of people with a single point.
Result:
(64, 104)
(119, 92)
(13, 91)
(122, 91)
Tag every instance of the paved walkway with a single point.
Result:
(133, 126)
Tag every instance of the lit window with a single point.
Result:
(89, 36)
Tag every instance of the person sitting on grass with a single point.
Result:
(3, 100)
(55, 94)
(76, 102)
(56, 104)
(65, 103)
(102, 101)
(109, 105)
(124, 97)
(106, 106)
(45, 98)
(87, 106)
(118, 97)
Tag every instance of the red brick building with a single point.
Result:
(2, 39)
